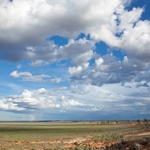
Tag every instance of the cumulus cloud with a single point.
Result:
(83, 58)
(33, 21)
(10, 106)
(30, 100)
(108, 69)
(50, 53)
(77, 72)
(128, 18)
(27, 25)
(72, 103)
(15, 74)
(36, 99)
(75, 89)
(107, 100)
(136, 41)
(27, 76)
(33, 27)
(56, 80)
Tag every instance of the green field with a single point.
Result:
(31, 131)
(50, 131)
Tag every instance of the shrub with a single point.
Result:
(137, 146)
(145, 142)
(116, 121)
(123, 141)
(145, 120)
(119, 146)
(139, 121)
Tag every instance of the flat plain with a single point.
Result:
(70, 134)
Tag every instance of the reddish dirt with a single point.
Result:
(124, 145)
(90, 144)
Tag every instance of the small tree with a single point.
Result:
(145, 120)
(139, 121)
(116, 121)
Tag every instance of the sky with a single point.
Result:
(74, 60)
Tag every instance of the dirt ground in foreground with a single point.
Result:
(131, 140)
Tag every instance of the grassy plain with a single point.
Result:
(22, 135)
(31, 131)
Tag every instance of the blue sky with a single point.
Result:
(74, 60)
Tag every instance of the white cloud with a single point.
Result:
(36, 99)
(108, 69)
(56, 80)
(19, 66)
(15, 74)
(107, 100)
(10, 106)
(51, 52)
(128, 18)
(72, 103)
(39, 78)
(108, 63)
(83, 58)
(99, 61)
(27, 76)
(60, 88)
(136, 40)
(63, 98)
(38, 63)
(75, 89)
(33, 99)
(4, 2)
(77, 71)
(25, 26)
(29, 23)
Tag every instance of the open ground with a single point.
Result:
(74, 135)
